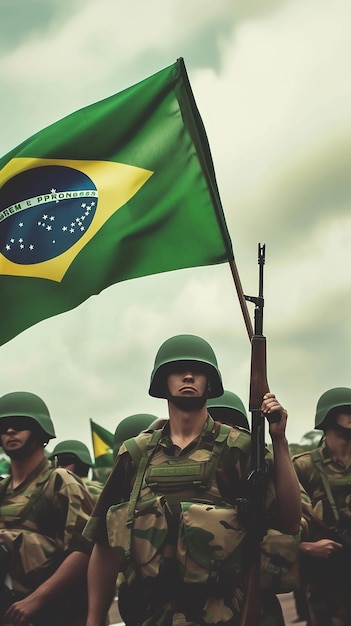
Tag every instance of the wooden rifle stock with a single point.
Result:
(251, 611)
(258, 378)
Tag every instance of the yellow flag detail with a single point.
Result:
(116, 184)
(100, 447)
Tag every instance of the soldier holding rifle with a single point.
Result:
(325, 474)
(168, 515)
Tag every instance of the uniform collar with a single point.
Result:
(208, 433)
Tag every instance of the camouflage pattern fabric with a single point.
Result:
(280, 562)
(94, 487)
(328, 587)
(41, 521)
(187, 541)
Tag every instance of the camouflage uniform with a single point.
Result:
(328, 587)
(41, 522)
(186, 538)
(79, 462)
(93, 486)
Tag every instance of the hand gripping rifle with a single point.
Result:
(251, 612)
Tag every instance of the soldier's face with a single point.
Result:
(187, 381)
(14, 433)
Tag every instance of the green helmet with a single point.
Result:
(229, 409)
(179, 349)
(73, 446)
(26, 404)
(337, 397)
(131, 426)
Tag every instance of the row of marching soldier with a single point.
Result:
(169, 526)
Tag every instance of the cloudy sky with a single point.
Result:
(271, 81)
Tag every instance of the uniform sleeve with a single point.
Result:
(116, 489)
(300, 466)
(74, 506)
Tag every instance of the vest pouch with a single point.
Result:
(175, 476)
(210, 543)
(280, 562)
(33, 558)
(148, 534)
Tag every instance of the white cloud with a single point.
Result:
(276, 110)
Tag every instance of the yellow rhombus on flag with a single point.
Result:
(102, 445)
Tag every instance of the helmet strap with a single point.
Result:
(187, 404)
(22, 453)
(191, 404)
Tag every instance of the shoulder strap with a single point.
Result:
(218, 447)
(140, 457)
(317, 462)
(219, 444)
(135, 449)
(221, 438)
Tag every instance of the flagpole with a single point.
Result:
(242, 301)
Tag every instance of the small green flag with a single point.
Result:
(120, 189)
(4, 466)
(102, 445)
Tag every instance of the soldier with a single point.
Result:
(131, 426)
(325, 474)
(74, 456)
(167, 515)
(43, 511)
(228, 409)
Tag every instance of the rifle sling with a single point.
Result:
(317, 461)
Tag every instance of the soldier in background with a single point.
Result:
(186, 474)
(325, 474)
(129, 427)
(74, 456)
(228, 409)
(43, 511)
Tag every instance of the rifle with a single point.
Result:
(6, 594)
(334, 570)
(251, 612)
(340, 535)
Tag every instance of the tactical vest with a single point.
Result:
(337, 488)
(28, 529)
(176, 511)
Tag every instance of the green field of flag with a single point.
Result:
(121, 189)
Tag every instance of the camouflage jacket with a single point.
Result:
(328, 586)
(184, 511)
(230, 475)
(41, 521)
(338, 477)
(94, 487)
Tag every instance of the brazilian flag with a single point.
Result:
(102, 440)
(120, 189)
